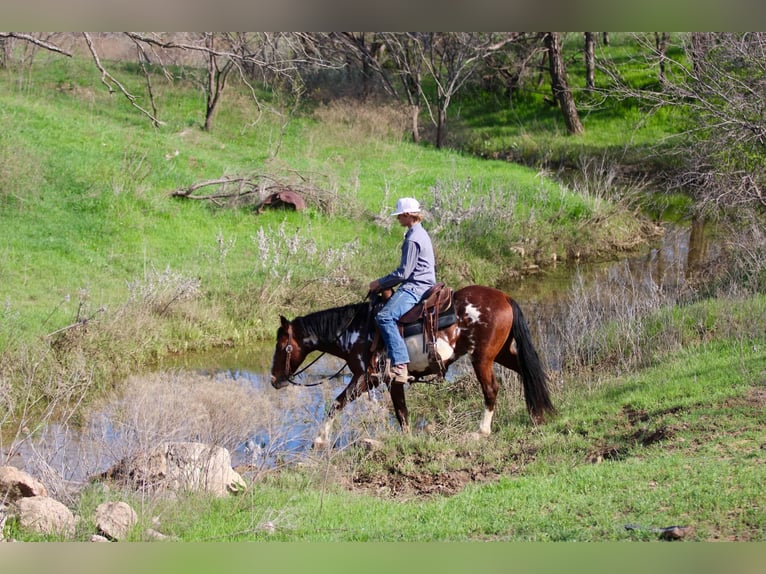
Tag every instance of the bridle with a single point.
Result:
(290, 377)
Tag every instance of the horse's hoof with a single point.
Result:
(477, 435)
(320, 443)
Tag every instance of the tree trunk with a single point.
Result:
(698, 51)
(590, 61)
(212, 92)
(561, 92)
(415, 115)
(441, 125)
(5, 51)
(216, 83)
(660, 43)
(605, 38)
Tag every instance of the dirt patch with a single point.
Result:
(754, 399)
(421, 484)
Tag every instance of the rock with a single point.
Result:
(16, 484)
(153, 534)
(115, 519)
(98, 538)
(182, 466)
(676, 532)
(44, 515)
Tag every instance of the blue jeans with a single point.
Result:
(399, 303)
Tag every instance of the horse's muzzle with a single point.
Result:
(279, 383)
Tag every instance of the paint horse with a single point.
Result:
(481, 322)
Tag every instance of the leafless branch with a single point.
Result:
(36, 41)
(108, 80)
(720, 87)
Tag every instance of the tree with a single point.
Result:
(451, 58)
(269, 55)
(513, 63)
(559, 84)
(404, 51)
(447, 58)
(720, 87)
(368, 49)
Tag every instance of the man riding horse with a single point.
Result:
(415, 275)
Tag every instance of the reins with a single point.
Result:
(292, 382)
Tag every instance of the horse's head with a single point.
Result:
(288, 355)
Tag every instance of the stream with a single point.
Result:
(279, 426)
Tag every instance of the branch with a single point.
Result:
(35, 41)
(107, 76)
(188, 191)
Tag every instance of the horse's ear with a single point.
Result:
(284, 321)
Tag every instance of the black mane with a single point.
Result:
(328, 324)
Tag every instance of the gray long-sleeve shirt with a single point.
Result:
(417, 269)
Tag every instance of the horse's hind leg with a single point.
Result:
(507, 356)
(400, 406)
(489, 386)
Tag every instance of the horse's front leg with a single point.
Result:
(400, 406)
(356, 387)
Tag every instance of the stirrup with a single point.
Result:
(381, 376)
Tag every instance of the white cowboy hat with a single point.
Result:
(407, 205)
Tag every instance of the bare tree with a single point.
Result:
(560, 86)
(590, 61)
(270, 56)
(406, 54)
(720, 87)
(366, 49)
(447, 58)
(514, 62)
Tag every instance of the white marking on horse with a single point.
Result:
(351, 338)
(472, 313)
(485, 428)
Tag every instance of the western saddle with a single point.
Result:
(431, 313)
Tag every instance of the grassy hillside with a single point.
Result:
(85, 210)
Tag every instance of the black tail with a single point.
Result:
(532, 374)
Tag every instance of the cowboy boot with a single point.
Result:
(399, 373)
